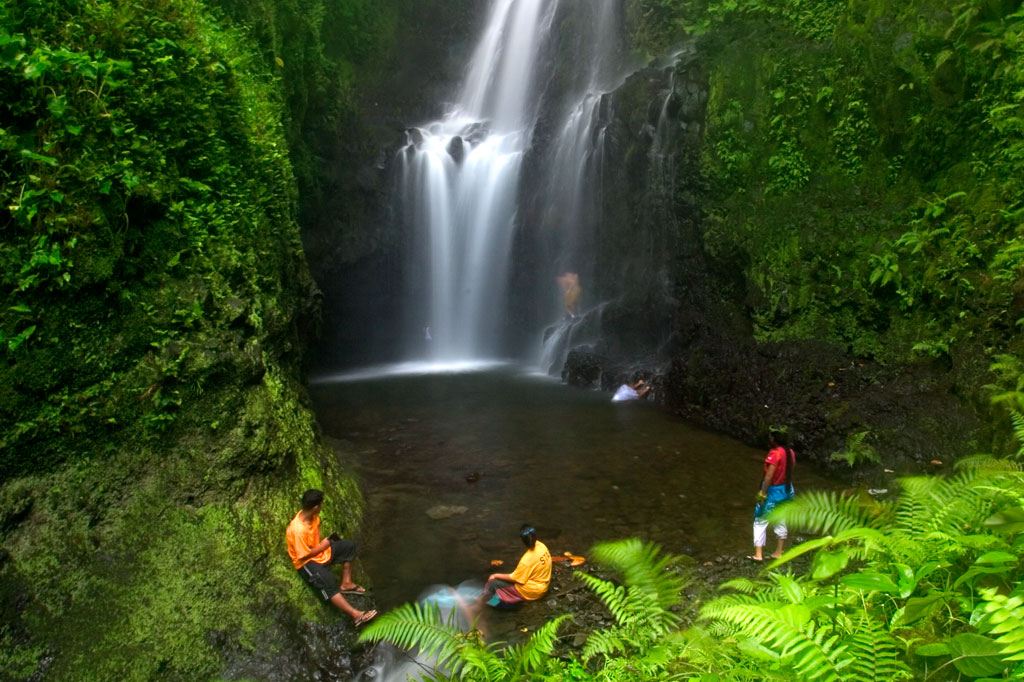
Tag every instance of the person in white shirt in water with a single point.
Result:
(634, 391)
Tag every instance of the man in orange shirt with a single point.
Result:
(312, 557)
(529, 581)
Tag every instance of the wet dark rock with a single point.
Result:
(457, 149)
(472, 477)
(583, 368)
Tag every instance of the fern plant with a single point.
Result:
(804, 628)
(645, 643)
(447, 653)
(644, 607)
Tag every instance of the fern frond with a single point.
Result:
(604, 642)
(828, 512)
(417, 626)
(611, 595)
(986, 464)
(1004, 616)
(484, 660)
(871, 654)
(743, 585)
(1018, 430)
(716, 609)
(934, 503)
(642, 565)
(789, 630)
(533, 655)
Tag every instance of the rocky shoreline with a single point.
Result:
(912, 416)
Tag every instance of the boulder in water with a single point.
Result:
(457, 149)
(444, 511)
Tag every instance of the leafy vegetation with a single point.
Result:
(859, 162)
(926, 586)
(153, 430)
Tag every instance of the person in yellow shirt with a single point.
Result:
(528, 582)
(312, 557)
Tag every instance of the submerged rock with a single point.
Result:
(444, 511)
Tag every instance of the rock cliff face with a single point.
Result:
(358, 255)
(690, 313)
(695, 188)
(156, 433)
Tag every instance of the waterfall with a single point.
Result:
(572, 198)
(459, 177)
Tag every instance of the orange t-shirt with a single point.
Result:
(533, 574)
(303, 537)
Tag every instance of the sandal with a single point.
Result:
(355, 589)
(366, 617)
(751, 557)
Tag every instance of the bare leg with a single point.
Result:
(346, 577)
(779, 548)
(340, 602)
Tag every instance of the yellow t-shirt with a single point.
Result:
(303, 537)
(533, 574)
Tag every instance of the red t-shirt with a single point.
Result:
(780, 458)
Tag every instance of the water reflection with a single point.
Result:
(452, 464)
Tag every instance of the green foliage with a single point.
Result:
(447, 653)
(153, 282)
(857, 450)
(642, 606)
(859, 160)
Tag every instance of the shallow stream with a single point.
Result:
(452, 464)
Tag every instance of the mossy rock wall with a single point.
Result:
(156, 301)
(857, 232)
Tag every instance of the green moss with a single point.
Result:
(154, 435)
(854, 170)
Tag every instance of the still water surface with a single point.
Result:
(511, 448)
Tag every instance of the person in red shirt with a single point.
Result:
(776, 487)
(312, 557)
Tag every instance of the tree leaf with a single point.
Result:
(57, 105)
(827, 564)
(934, 649)
(976, 655)
(28, 154)
(870, 582)
(919, 607)
(1007, 520)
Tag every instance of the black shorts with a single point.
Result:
(320, 577)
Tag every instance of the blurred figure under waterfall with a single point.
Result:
(569, 282)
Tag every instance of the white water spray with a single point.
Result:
(460, 176)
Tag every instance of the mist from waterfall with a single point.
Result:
(459, 177)
(572, 200)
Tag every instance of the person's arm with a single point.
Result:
(324, 544)
(502, 576)
(769, 474)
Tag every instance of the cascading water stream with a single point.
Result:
(573, 197)
(459, 178)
